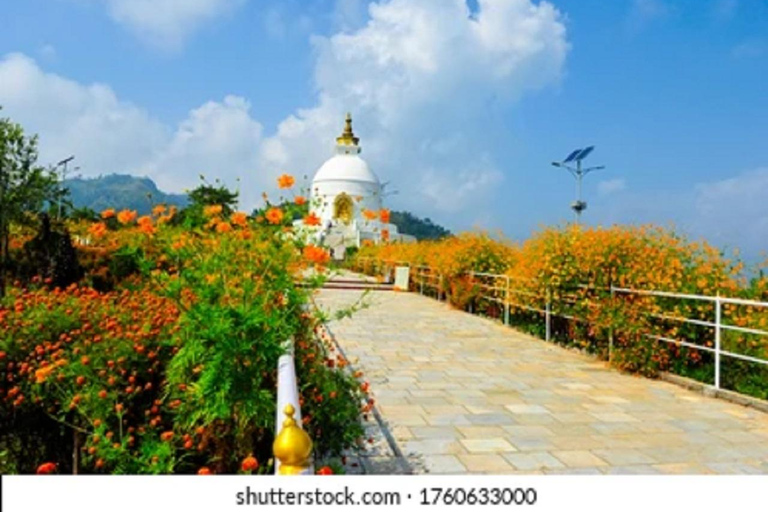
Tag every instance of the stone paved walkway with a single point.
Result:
(463, 394)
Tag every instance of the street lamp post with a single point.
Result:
(63, 177)
(578, 173)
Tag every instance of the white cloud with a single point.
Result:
(349, 14)
(734, 211)
(612, 186)
(418, 78)
(167, 23)
(730, 212)
(283, 19)
(218, 139)
(422, 79)
(89, 121)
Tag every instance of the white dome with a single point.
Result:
(346, 167)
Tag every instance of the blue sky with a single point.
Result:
(462, 106)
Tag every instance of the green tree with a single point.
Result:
(207, 195)
(25, 187)
(422, 229)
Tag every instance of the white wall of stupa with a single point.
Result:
(342, 190)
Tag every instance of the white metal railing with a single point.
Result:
(502, 291)
(718, 325)
(287, 397)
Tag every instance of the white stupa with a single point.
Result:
(343, 189)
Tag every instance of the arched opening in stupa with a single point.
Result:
(343, 209)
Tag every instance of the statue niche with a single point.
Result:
(343, 208)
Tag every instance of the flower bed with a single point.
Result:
(163, 358)
(573, 269)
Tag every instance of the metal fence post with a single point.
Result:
(548, 316)
(718, 322)
(506, 302)
(610, 328)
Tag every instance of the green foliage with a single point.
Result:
(203, 196)
(175, 368)
(25, 187)
(423, 229)
(50, 255)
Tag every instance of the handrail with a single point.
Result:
(491, 292)
(292, 448)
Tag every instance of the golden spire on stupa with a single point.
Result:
(348, 137)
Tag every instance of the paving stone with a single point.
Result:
(486, 463)
(493, 445)
(435, 433)
(639, 469)
(621, 457)
(531, 444)
(443, 378)
(579, 459)
(433, 447)
(527, 409)
(533, 461)
(444, 464)
(526, 431)
(481, 431)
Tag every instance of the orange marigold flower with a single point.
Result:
(384, 215)
(145, 224)
(250, 463)
(212, 210)
(239, 219)
(369, 214)
(223, 227)
(126, 216)
(311, 220)
(316, 255)
(285, 181)
(108, 213)
(46, 468)
(98, 230)
(42, 374)
(274, 215)
(300, 200)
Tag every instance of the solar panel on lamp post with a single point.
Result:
(578, 173)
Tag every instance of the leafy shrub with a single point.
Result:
(574, 268)
(171, 366)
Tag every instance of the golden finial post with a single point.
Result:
(292, 446)
(348, 136)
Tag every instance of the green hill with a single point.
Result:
(423, 229)
(119, 191)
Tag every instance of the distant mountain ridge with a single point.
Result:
(120, 191)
